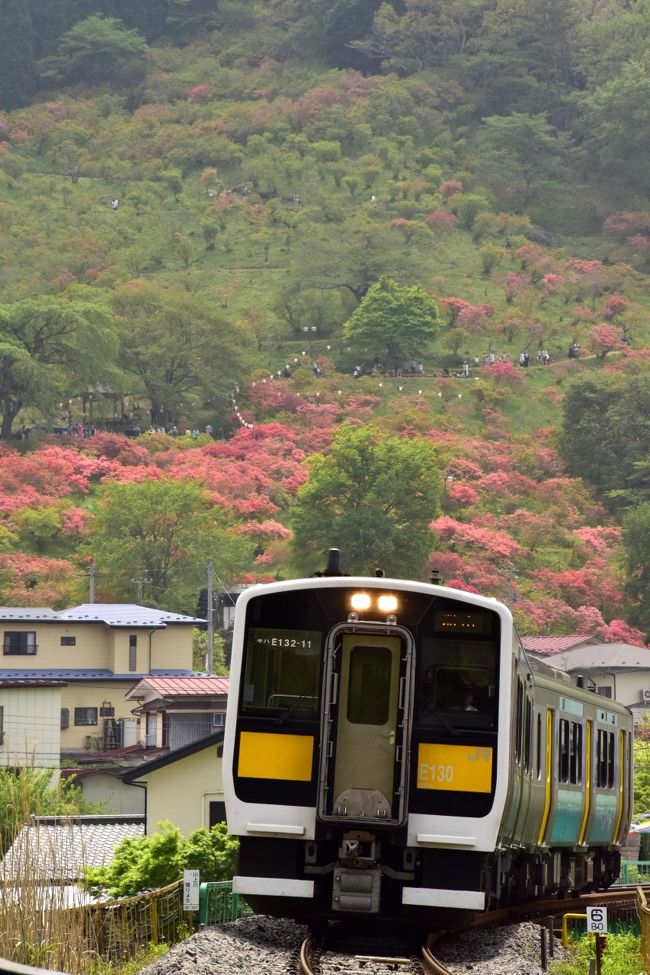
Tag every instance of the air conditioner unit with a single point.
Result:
(219, 719)
(645, 695)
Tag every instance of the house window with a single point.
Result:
(217, 813)
(605, 691)
(68, 641)
(133, 652)
(85, 716)
(19, 643)
(65, 718)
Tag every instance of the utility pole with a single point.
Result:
(210, 614)
(91, 582)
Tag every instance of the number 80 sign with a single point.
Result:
(596, 920)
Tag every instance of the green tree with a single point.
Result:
(161, 533)
(373, 497)
(98, 50)
(520, 148)
(178, 345)
(158, 860)
(50, 344)
(615, 123)
(636, 545)
(32, 791)
(326, 27)
(606, 431)
(396, 322)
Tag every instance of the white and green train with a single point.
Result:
(391, 751)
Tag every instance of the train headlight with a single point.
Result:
(387, 603)
(360, 601)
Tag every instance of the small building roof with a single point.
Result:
(546, 646)
(113, 615)
(182, 686)
(53, 848)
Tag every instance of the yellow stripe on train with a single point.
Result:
(270, 756)
(458, 768)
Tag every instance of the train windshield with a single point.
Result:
(282, 673)
(458, 673)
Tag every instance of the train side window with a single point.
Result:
(519, 725)
(563, 751)
(605, 760)
(528, 733)
(575, 753)
(538, 751)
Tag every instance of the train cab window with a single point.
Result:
(456, 683)
(281, 673)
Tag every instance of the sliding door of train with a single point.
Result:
(365, 727)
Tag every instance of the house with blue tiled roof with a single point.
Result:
(95, 653)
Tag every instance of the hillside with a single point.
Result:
(197, 198)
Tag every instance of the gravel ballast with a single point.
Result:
(268, 945)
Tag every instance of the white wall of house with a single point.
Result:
(31, 723)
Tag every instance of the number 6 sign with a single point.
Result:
(596, 920)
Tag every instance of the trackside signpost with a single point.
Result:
(191, 886)
(597, 925)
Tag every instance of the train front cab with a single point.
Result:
(366, 786)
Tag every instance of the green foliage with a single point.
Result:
(97, 50)
(636, 543)
(48, 342)
(372, 496)
(165, 531)
(158, 860)
(396, 323)
(33, 791)
(606, 430)
(642, 772)
(200, 653)
(621, 957)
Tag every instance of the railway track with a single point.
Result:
(314, 951)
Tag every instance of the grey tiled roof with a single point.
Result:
(111, 614)
(77, 673)
(55, 849)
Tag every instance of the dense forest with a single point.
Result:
(283, 275)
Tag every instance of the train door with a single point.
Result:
(365, 725)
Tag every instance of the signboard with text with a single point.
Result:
(190, 890)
